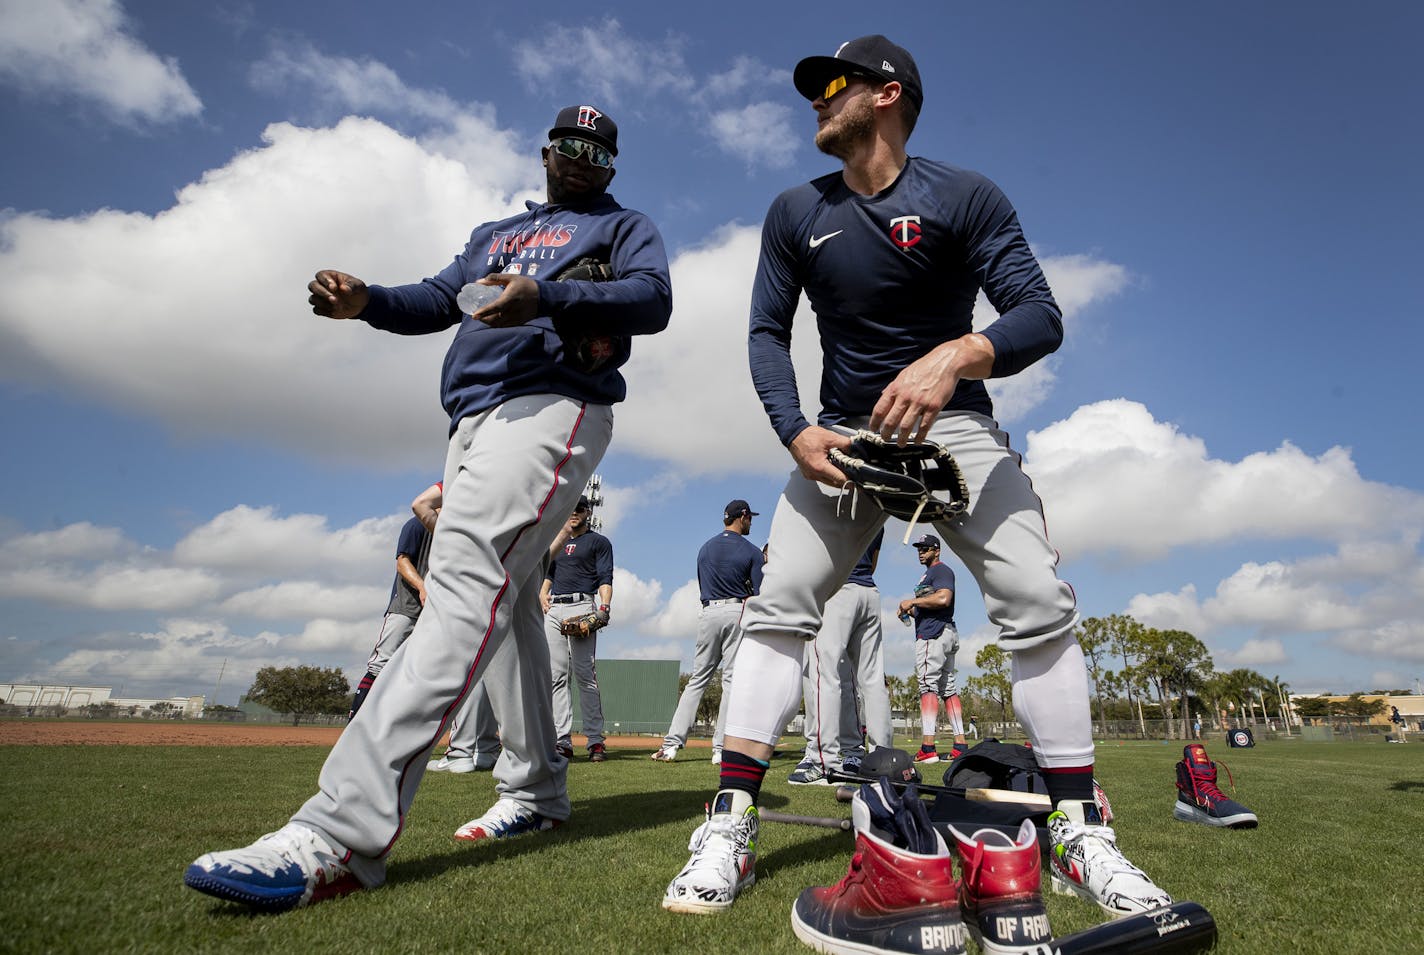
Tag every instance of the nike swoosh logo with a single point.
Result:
(816, 240)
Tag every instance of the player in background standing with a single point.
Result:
(403, 610)
(474, 736)
(531, 416)
(892, 251)
(729, 569)
(936, 643)
(579, 581)
(846, 657)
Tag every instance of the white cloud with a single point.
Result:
(1253, 653)
(304, 598)
(760, 134)
(110, 587)
(81, 541)
(1119, 481)
(257, 541)
(633, 598)
(1078, 282)
(678, 618)
(608, 62)
(247, 358)
(84, 49)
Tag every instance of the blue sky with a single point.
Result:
(201, 478)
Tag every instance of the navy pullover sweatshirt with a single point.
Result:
(487, 366)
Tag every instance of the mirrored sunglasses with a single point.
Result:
(840, 83)
(574, 148)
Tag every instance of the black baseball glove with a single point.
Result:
(587, 352)
(917, 482)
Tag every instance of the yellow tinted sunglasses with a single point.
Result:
(840, 83)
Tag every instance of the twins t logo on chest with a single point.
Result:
(905, 231)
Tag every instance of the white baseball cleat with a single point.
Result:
(1087, 862)
(723, 859)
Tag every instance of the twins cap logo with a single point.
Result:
(885, 65)
(588, 117)
(905, 231)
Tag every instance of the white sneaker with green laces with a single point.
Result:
(723, 857)
(1087, 862)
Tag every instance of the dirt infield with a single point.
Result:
(174, 733)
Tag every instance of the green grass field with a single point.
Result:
(96, 840)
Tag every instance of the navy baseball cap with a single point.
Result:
(736, 509)
(582, 504)
(925, 540)
(868, 54)
(585, 122)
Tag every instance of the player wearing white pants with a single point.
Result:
(529, 382)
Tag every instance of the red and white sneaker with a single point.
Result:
(999, 894)
(926, 756)
(899, 894)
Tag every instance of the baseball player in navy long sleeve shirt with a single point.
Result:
(729, 570)
(529, 382)
(891, 251)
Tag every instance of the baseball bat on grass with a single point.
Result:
(1182, 928)
(1037, 801)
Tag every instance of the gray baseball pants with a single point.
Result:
(718, 633)
(1001, 540)
(513, 475)
(847, 656)
(574, 655)
(395, 628)
(474, 731)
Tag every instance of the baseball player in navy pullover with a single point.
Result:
(891, 251)
(529, 421)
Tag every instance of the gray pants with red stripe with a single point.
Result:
(513, 475)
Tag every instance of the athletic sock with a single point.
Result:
(1069, 782)
(362, 689)
(742, 773)
(927, 748)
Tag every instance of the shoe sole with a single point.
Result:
(1192, 814)
(823, 781)
(1065, 886)
(839, 946)
(274, 900)
(926, 762)
(483, 836)
(695, 907)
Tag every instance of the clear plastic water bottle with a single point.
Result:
(474, 296)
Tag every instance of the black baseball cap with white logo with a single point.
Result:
(736, 509)
(585, 122)
(868, 54)
(924, 541)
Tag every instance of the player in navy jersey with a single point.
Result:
(579, 580)
(931, 610)
(729, 569)
(891, 251)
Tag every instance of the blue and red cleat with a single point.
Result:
(1199, 799)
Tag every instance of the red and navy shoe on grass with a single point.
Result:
(899, 896)
(927, 754)
(1000, 893)
(1199, 799)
